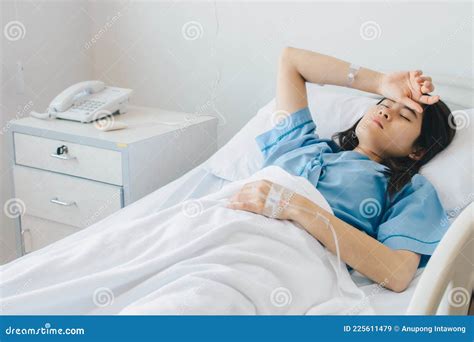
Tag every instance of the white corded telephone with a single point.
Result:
(87, 101)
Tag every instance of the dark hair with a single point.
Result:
(437, 132)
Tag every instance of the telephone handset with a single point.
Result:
(87, 101)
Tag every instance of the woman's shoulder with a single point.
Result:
(419, 181)
(418, 186)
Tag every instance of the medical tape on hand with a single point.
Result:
(277, 200)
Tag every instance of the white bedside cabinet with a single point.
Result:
(69, 175)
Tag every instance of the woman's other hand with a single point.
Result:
(252, 197)
(409, 88)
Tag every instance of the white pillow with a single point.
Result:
(450, 171)
(331, 111)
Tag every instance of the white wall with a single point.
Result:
(141, 45)
(146, 49)
(53, 57)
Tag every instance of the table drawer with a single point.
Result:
(38, 233)
(66, 199)
(82, 161)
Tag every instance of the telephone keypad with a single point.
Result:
(89, 105)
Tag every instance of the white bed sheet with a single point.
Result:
(199, 182)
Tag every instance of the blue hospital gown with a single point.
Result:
(356, 187)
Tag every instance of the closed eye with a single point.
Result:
(400, 114)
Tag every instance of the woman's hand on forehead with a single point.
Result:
(409, 88)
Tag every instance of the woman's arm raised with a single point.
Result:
(297, 66)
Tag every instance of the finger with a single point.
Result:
(246, 206)
(426, 82)
(416, 88)
(249, 197)
(426, 85)
(258, 191)
(414, 76)
(412, 104)
(236, 205)
(423, 78)
(429, 100)
(427, 88)
(258, 185)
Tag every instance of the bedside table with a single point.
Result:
(69, 175)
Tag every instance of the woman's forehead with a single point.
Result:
(387, 100)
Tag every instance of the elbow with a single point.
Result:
(398, 286)
(399, 282)
(407, 265)
(286, 54)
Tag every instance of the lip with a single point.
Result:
(377, 122)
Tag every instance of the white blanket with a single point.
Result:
(198, 257)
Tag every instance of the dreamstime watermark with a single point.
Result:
(192, 30)
(280, 119)
(189, 119)
(46, 330)
(458, 297)
(370, 30)
(459, 119)
(192, 208)
(281, 297)
(97, 214)
(442, 45)
(104, 29)
(205, 109)
(19, 114)
(103, 120)
(451, 214)
(14, 30)
(364, 303)
(103, 296)
(370, 208)
(14, 208)
(278, 30)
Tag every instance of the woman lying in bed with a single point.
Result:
(388, 219)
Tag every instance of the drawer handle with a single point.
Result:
(62, 153)
(55, 200)
(62, 156)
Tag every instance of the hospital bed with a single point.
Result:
(444, 286)
(447, 269)
(199, 182)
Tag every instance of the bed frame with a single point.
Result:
(446, 284)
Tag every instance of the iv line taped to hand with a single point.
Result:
(279, 198)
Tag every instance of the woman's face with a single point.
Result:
(389, 129)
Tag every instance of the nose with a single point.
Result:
(384, 113)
